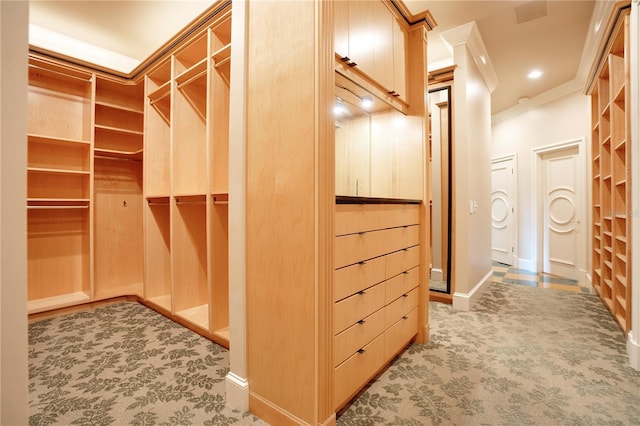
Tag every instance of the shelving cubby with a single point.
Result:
(611, 186)
(189, 266)
(158, 252)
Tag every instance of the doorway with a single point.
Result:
(503, 210)
(559, 177)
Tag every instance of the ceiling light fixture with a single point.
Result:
(366, 101)
(535, 74)
(339, 108)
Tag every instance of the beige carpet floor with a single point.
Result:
(523, 356)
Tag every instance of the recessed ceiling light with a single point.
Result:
(535, 74)
(367, 101)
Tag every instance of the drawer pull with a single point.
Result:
(360, 351)
(361, 233)
(406, 272)
(405, 295)
(405, 317)
(361, 293)
(405, 249)
(362, 262)
(361, 322)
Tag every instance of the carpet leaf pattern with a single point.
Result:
(522, 356)
(126, 364)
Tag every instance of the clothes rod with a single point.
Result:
(150, 203)
(86, 80)
(190, 201)
(55, 207)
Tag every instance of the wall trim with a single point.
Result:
(237, 391)
(465, 301)
(633, 350)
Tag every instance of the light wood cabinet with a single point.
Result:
(376, 290)
(611, 185)
(371, 38)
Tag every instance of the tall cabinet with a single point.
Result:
(611, 172)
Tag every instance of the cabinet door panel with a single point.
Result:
(361, 35)
(383, 44)
(341, 27)
(399, 60)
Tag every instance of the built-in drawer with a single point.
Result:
(349, 376)
(357, 336)
(401, 261)
(354, 218)
(401, 307)
(399, 334)
(401, 215)
(362, 275)
(353, 248)
(359, 306)
(402, 284)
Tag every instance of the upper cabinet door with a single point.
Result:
(399, 59)
(370, 38)
(341, 28)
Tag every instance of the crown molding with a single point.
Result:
(469, 35)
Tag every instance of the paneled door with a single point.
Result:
(503, 210)
(561, 213)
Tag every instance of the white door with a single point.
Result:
(503, 211)
(561, 213)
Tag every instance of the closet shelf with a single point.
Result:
(193, 74)
(130, 155)
(58, 171)
(34, 138)
(56, 302)
(114, 105)
(120, 130)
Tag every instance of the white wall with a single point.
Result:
(472, 178)
(561, 120)
(13, 252)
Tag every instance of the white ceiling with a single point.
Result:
(553, 43)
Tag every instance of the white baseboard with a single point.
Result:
(633, 350)
(464, 301)
(528, 264)
(237, 391)
(436, 274)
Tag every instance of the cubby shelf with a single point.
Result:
(611, 180)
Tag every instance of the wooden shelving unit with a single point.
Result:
(611, 186)
(186, 181)
(59, 170)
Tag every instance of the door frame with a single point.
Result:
(538, 219)
(514, 182)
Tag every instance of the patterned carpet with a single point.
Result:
(126, 364)
(523, 356)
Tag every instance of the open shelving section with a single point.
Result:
(59, 185)
(611, 185)
(186, 181)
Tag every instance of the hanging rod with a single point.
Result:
(86, 80)
(190, 201)
(150, 203)
(55, 207)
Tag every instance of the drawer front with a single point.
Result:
(356, 371)
(352, 279)
(402, 284)
(400, 261)
(350, 249)
(401, 215)
(401, 307)
(359, 306)
(354, 218)
(400, 333)
(357, 336)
